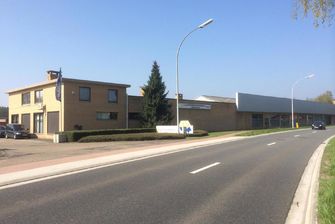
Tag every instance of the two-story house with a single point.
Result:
(84, 105)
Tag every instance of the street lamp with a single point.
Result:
(294, 84)
(203, 25)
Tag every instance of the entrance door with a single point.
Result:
(38, 123)
(26, 121)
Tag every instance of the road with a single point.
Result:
(247, 181)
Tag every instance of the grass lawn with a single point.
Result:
(262, 131)
(326, 200)
(220, 133)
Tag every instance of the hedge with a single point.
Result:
(130, 137)
(73, 136)
(198, 133)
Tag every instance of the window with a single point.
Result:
(84, 94)
(38, 123)
(106, 115)
(134, 116)
(112, 96)
(26, 98)
(15, 118)
(38, 96)
(257, 120)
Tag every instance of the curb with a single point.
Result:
(304, 205)
(48, 172)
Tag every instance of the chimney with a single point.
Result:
(51, 74)
(180, 96)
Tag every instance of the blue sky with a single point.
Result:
(252, 46)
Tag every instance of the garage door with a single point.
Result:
(53, 122)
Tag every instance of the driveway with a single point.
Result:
(21, 151)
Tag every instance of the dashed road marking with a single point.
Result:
(205, 168)
(272, 143)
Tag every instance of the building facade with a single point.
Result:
(84, 105)
(273, 112)
(101, 105)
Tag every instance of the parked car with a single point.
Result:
(2, 131)
(16, 131)
(319, 125)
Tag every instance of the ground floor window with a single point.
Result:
(134, 116)
(15, 119)
(257, 120)
(38, 123)
(106, 115)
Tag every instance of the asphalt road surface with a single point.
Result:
(247, 181)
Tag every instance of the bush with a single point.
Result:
(198, 133)
(73, 136)
(131, 137)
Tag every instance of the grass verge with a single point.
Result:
(130, 137)
(326, 199)
(221, 133)
(262, 131)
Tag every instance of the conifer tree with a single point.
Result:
(156, 109)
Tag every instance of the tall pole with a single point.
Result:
(292, 113)
(177, 66)
(292, 96)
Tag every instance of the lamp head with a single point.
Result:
(205, 23)
(309, 76)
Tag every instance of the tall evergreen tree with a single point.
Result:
(156, 109)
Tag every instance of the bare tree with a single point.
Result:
(322, 10)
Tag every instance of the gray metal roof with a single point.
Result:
(256, 103)
(216, 99)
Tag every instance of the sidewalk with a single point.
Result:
(26, 160)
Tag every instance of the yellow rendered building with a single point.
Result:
(84, 105)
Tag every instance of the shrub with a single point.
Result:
(198, 133)
(131, 137)
(73, 136)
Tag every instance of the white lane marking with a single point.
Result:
(314, 132)
(204, 168)
(297, 136)
(272, 143)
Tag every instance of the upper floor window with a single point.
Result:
(39, 96)
(26, 98)
(112, 96)
(84, 93)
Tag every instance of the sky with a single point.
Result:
(251, 47)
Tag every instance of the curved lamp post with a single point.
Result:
(294, 84)
(203, 25)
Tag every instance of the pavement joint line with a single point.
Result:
(272, 143)
(205, 168)
(307, 191)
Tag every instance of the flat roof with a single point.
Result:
(53, 82)
(216, 99)
(257, 103)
